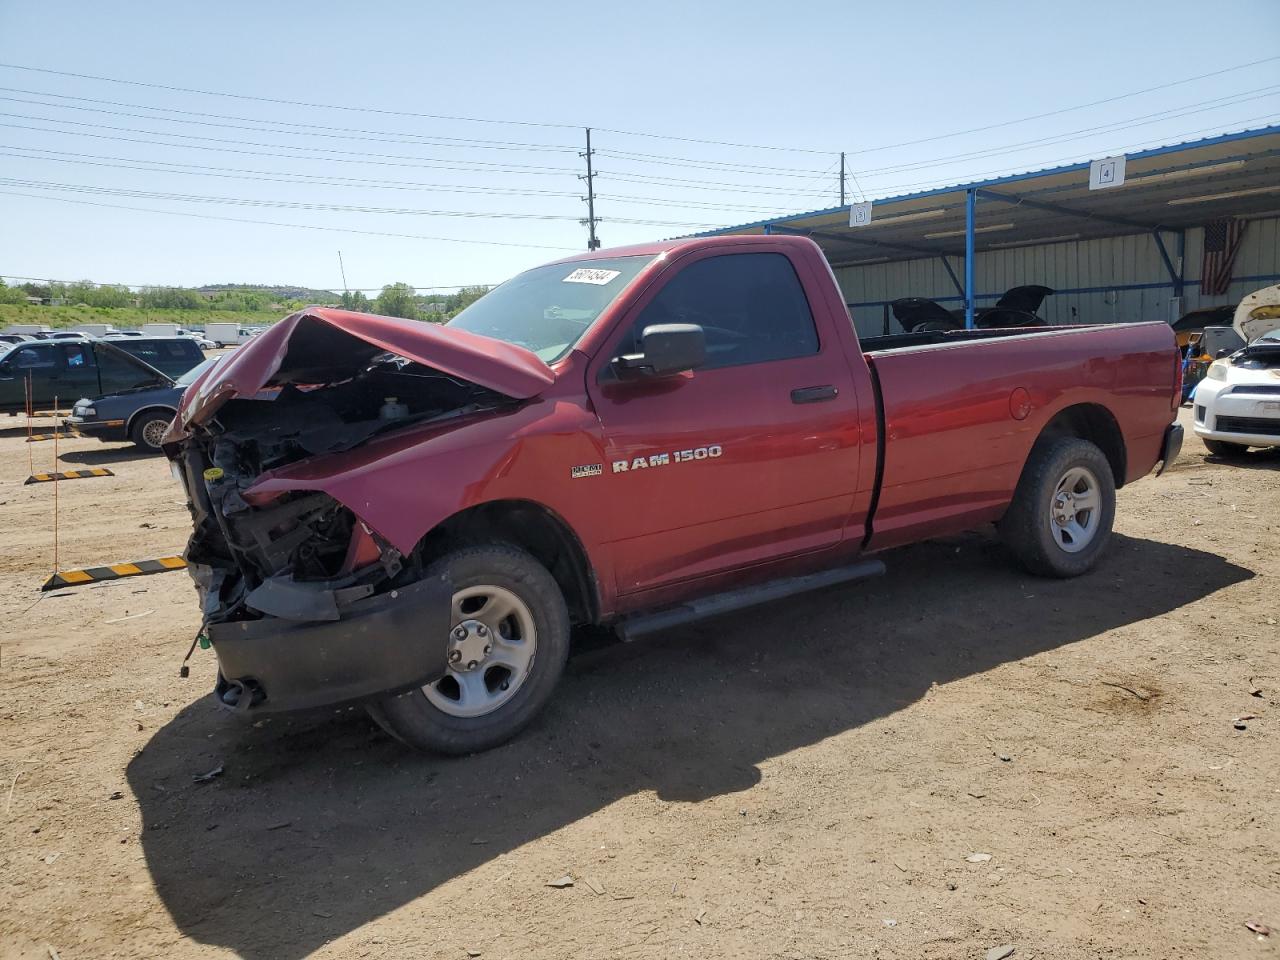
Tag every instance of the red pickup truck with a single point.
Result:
(414, 516)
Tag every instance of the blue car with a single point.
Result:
(141, 414)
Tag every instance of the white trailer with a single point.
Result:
(222, 333)
(161, 330)
(30, 329)
(95, 329)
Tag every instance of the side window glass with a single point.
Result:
(78, 356)
(34, 358)
(751, 306)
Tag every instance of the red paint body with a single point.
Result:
(793, 486)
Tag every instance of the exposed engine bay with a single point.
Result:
(303, 556)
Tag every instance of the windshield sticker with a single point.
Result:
(587, 275)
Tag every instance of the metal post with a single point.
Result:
(1182, 264)
(593, 242)
(842, 201)
(970, 207)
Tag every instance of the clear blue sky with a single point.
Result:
(821, 76)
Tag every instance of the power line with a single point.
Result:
(325, 207)
(701, 184)
(291, 103)
(668, 160)
(1058, 112)
(258, 153)
(1139, 121)
(271, 176)
(328, 180)
(355, 134)
(287, 123)
(439, 164)
(295, 226)
(1022, 168)
(358, 134)
(635, 133)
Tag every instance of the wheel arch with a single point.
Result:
(535, 528)
(1095, 423)
(133, 417)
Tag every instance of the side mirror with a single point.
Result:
(1223, 353)
(666, 349)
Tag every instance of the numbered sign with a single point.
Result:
(860, 214)
(1108, 172)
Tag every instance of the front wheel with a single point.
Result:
(149, 429)
(1224, 449)
(1059, 522)
(508, 642)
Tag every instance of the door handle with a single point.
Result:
(814, 394)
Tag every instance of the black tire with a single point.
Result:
(1028, 525)
(148, 427)
(414, 720)
(1225, 449)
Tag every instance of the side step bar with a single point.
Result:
(632, 628)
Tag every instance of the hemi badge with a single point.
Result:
(586, 470)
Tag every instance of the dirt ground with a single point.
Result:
(952, 758)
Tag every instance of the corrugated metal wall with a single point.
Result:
(1127, 276)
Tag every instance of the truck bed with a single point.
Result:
(954, 398)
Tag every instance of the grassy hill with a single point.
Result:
(126, 317)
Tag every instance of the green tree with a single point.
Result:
(355, 300)
(171, 298)
(397, 300)
(12, 294)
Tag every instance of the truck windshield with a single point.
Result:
(547, 309)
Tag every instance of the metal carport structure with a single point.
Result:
(1165, 191)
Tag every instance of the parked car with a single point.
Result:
(634, 438)
(15, 338)
(141, 414)
(1237, 404)
(123, 333)
(173, 355)
(64, 370)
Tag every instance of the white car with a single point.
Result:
(1237, 404)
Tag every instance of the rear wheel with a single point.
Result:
(508, 641)
(149, 429)
(1059, 522)
(1225, 449)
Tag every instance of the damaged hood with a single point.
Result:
(321, 345)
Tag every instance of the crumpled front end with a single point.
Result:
(307, 605)
(304, 605)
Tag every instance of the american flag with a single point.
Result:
(1221, 244)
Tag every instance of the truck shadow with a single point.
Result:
(321, 825)
(109, 454)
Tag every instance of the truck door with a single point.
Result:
(749, 458)
(77, 374)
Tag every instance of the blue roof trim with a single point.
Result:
(1011, 178)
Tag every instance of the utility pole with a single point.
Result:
(593, 242)
(346, 296)
(842, 203)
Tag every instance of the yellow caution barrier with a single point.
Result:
(117, 571)
(69, 475)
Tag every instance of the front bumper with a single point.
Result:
(382, 646)
(1222, 413)
(105, 430)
